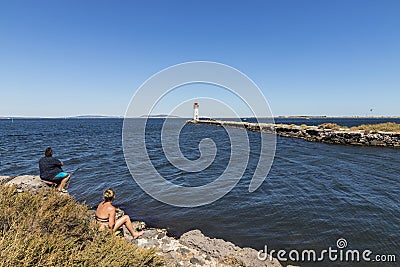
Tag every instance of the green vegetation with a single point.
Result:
(303, 126)
(332, 126)
(48, 229)
(383, 127)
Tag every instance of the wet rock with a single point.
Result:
(196, 261)
(183, 250)
(161, 235)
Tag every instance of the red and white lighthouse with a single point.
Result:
(196, 111)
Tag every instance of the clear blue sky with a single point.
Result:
(62, 58)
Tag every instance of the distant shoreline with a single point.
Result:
(177, 117)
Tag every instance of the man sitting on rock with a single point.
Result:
(51, 171)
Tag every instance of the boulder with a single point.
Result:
(225, 252)
(27, 182)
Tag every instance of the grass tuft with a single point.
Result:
(48, 229)
(332, 126)
(383, 127)
(380, 127)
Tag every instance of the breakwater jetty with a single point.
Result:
(321, 133)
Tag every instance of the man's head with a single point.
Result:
(48, 152)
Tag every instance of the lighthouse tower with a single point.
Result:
(196, 112)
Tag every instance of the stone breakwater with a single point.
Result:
(191, 249)
(315, 133)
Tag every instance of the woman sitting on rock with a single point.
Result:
(106, 212)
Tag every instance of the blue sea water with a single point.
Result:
(314, 194)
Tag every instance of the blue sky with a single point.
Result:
(63, 58)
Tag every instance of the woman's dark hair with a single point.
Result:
(48, 152)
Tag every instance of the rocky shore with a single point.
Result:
(191, 249)
(317, 134)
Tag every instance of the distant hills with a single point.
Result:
(159, 116)
(70, 117)
(89, 117)
(96, 117)
(163, 116)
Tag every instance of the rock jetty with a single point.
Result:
(191, 249)
(315, 133)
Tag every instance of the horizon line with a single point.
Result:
(179, 117)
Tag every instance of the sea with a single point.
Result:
(314, 195)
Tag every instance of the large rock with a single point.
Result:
(27, 182)
(195, 249)
(224, 251)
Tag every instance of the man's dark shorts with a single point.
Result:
(58, 178)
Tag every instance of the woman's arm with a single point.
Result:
(111, 218)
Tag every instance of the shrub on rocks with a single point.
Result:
(383, 127)
(332, 126)
(49, 229)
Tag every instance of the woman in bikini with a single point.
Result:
(105, 215)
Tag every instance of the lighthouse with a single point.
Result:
(196, 112)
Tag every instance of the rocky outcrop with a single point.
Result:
(342, 136)
(191, 249)
(227, 252)
(195, 249)
(316, 134)
(24, 182)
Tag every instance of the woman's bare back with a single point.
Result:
(104, 209)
